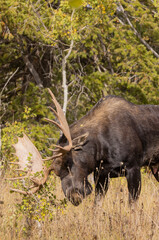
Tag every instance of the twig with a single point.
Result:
(8, 81)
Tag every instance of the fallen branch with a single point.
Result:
(32, 70)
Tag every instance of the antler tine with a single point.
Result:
(63, 122)
(58, 146)
(53, 111)
(21, 170)
(19, 191)
(54, 150)
(17, 178)
(15, 163)
(52, 121)
(53, 157)
(26, 192)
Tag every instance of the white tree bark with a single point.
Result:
(64, 77)
(64, 74)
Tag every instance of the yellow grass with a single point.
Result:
(114, 220)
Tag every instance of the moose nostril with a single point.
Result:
(76, 198)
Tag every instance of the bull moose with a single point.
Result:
(115, 138)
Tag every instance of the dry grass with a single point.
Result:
(115, 220)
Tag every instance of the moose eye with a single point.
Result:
(78, 148)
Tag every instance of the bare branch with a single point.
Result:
(65, 87)
(64, 77)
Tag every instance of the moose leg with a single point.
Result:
(101, 187)
(133, 177)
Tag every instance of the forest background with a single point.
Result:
(100, 48)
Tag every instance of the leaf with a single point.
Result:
(75, 3)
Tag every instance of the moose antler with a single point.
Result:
(63, 124)
(30, 161)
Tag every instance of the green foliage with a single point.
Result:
(37, 206)
(100, 83)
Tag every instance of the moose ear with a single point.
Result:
(78, 142)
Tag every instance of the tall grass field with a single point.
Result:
(115, 220)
